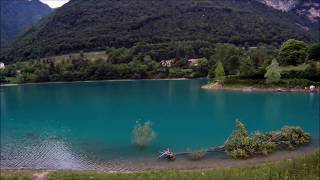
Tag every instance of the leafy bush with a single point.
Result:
(299, 82)
(179, 73)
(121, 55)
(263, 143)
(239, 154)
(273, 74)
(314, 52)
(293, 137)
(219, 72)
(293, 74)
(143, 134)
(313, 71)
(236, 80)
(241, 145)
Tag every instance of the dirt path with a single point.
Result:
(40, 175)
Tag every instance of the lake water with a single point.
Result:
(83, 125)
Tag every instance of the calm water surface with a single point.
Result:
(81, 125)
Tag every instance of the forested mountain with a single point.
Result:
(97, 24)
(18, 15)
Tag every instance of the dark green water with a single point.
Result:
(79, 125)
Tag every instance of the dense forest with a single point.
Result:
(295, 63)
(160, 25)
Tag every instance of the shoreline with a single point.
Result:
(243, 88)
(210, 87)
(184, 164)
(92, 81)
(300, 167)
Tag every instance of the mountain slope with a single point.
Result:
(97, 24)
(307, 8)
(18, 15)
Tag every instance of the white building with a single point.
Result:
(2, 66)
(193, 62)
(312, 88)
(167, 63)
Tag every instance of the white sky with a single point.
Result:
(55, 3)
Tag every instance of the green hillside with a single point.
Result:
(92, 25)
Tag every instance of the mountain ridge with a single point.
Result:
(95, 25)
(18, 15)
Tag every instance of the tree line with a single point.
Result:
(224, 61)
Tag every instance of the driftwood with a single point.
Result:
(167, 154)
(217, 149)
(212, 149)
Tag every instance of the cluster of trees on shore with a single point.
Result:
(240, 144)
(301, 62)
(222, 61)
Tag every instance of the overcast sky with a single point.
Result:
(55, 3)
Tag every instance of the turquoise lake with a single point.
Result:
(80, 125)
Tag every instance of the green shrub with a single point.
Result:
(179, 73)
(241, 145)
(239, 154)
(294, 137)
(273, 74)
(293, 74)
(263, 143)
(143, 134)
(219, 72)
(299, 82)
(236, 80)
(314, 52)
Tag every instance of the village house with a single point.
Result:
(193, 62)
(2, 66)
(167, 63)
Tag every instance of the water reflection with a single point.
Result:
(33, 151)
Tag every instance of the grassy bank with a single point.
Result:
(235, 83)
(305, 167)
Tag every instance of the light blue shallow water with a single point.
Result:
(79, 125)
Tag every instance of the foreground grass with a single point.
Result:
(302, 168)
(16, 174)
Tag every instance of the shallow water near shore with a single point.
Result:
(88, 125)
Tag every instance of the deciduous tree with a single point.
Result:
(273, 74)
(293, 52)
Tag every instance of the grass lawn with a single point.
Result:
(91, 56)
(301, 67)
(12, 80)
(302, 168)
